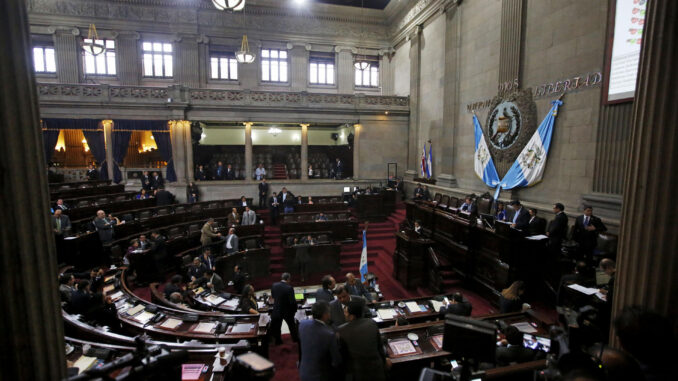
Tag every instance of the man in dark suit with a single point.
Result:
(537, 225)
(457, 306)
(157, 182)
(92, 173)
(354, 287)
(419, 192)
(337, 306)
(586, 230)
(286, 199)
(558, 228)
(521, 218)
(61, 224)
(284, 307)
(61, 205)
(514, 351)
(211, 281)
(263, 192)
(319, 349)
(219, 172)
(163, 197)
(146, 181)
(230, 173)
(274, 208)
(326, 293)
(361, 346)
(239, 279)
(339, 169)
(200, 174)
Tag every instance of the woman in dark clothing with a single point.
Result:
(248, 303)
(510, 299)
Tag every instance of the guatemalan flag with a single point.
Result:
(528, 168)
(363, 258)
(482, 160)
(429, 160)
(423, 162)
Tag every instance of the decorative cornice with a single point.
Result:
(417, 15)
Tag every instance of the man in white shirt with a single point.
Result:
(231, 242)
(260, 172)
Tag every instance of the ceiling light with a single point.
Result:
(229, 5)
(92, 44)
(244, 55)
(274, 131)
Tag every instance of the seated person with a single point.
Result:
(66, 286)
(501, 212)
(93, 306)
(310, 200)
(133, 247)
(512, 351)
(243, 201)
(142, 195)
(207, 259)
(582, 274)
(174, 285)
(510, 299)
(417, 228)
(354, 287)
(468, 206)
(456, 306)
(320, 217)
(537, 225)
(210, 280)
(299, 200)
(308, 240)
(248, 303)
(176, 298)
(419, 192)
(195, 270)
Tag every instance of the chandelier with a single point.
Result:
(229, 5)
(244, 55)
(274, 131)
(92, 44)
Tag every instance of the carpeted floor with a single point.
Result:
(380, 247)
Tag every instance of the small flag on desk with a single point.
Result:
(363, 258)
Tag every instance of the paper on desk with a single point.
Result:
(601, 296)
(436, 305)
(386, 313)
(84, 363)
(116, 296)
(135, 310)
(70, 238)
(144, 317)
(377, 319)
(261, 305)
(413, 307)
(204, 327)
(537, 237)
(214, 300)
(401, 347)
(242, 328)
(525, 327)
(232, 303)
(171, 323)
(582, 289)
(264, 319)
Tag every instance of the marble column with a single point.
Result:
(345, 70)
(512, 16)
(304, 151)
(356, 150)
(299, 64)
(108, 140)
(127, 56)
(647, 262)
(249, 170)
(415, 77)
(66, 50)
(31, 328)
(188, 151)
(445, 160)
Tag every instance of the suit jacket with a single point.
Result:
(357, 289)
(536, 226)
(289, 202)
(171, 288)
(319, 351)
(263, 189)
(201, 175)
(249, 218)
(462, 309)
(105, 228)
(337, 317)
(146, 182)
(230, 174)
(164, 197)
(584, 237)
(270, 203)
(362, 350)
(65, 223)
(196, 271)
(339, 166)
(513, 354)
(92, 174)
(234, 243)
(207, 262)
(217, 282)
(219, 173)
(523, 220)
(325, 295)
(157, 182)
(207, 233)
(558, 228)
(284, 304)
(233, 220)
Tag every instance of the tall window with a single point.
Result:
(273, 65)
(368, 77)
(102, 64)
(223, 65)
(321, 69)
(43, 59)
(157, 59)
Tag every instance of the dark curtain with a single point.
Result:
(162, 139)
(120, 144)
(97, 145)
(49, 141)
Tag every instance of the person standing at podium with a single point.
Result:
(537, 225)
(586, 230)
(558, 227)
(521, 219)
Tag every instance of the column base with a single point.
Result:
(447, 181)
(410, 175)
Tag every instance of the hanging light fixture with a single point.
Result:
(274, 131)
(229, 5)
(361, 62)
(92, 44)
(244, 55)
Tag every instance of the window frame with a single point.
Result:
(43, 45)
(155, 53)
(269, 59)
(322, 58)
(220, 54)
(374, 62)
(96, 74)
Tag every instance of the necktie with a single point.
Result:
(58, 223)
(586, 220)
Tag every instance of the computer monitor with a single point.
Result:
(299, 296)
(488, 219)
(469, 338)
(347, 189)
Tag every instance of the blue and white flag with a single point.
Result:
(482, 160)
(429, 161)
(423, 161)
(363, 258)
(528, 169)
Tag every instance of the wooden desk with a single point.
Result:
(376, 206)
(100, 189)
(320, 207)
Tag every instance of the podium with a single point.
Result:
(409, 259)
